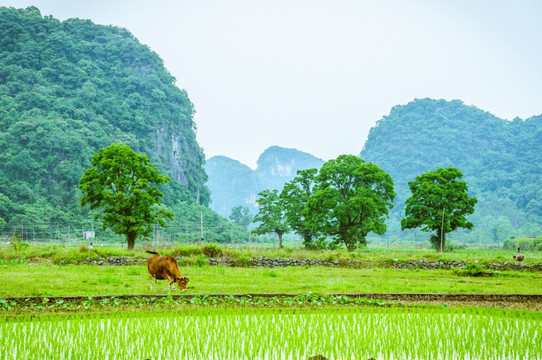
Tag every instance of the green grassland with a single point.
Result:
(70, 280)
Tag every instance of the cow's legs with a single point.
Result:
(170, 281)
(150, 282)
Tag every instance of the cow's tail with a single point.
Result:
(152, 252)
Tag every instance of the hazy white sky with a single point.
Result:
(316, 75)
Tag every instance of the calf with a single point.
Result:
(518, 257)
(165, 267)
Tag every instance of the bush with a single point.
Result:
(201, 260)
(472, 269)
(212, 250)
(18, 244)
(270, 273)
(242, 261)
(186, 250)
(529, 244)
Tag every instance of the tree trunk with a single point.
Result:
(279, 233)
(307, 239)
(130, 238)
(351, 246)
(436, 240)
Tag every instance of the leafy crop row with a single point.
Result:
(45, 304)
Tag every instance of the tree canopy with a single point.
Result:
(439, 202)
(345, 200)
(240, 215)
(295, 197)
(270, 216)
(352, 199)
(121, 184)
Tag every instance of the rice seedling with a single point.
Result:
(263, 334)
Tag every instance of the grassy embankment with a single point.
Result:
(370, 256)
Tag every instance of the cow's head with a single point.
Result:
(182, 282)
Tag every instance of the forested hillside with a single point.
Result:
(70, 88)
(232, 183)
(501, 161)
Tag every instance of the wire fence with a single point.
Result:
(196, 233)
(64, 233)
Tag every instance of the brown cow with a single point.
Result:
(165, 267)
(518, 257)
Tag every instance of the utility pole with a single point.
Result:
(201, 216)
(498, 240)
(442, 230)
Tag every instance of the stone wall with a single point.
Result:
(283, 262)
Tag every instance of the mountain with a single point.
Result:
(232, 183)
(276, 166)
(500, 160)
(69, 88)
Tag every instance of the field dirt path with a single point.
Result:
(504, 301)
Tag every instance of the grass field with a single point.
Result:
(54, 280)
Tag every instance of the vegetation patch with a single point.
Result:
(473, 269)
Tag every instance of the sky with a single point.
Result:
(316, 75)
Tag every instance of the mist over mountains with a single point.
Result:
(232, 183)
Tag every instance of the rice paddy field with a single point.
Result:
(365, 333)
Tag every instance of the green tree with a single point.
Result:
(295, 197)
(351, 199)
(6, 207)
(240, 215)
(120, 183)
(439, 202)
(270, 214)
